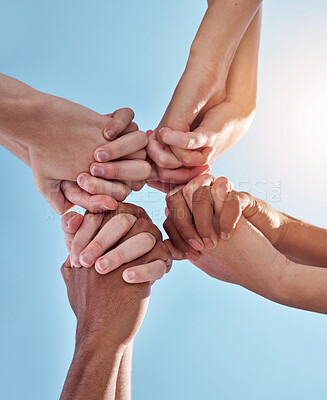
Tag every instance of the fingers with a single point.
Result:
(181, 175)
(143, 225)
(191, 158)
(161, 155)
(145, 272)
(132, 127)
(93, 203)
(150, 267)
(178, 242)
(163, 187)
(122, 146)
(138, 155)
(176, 254)
(52, 192)
(134, 170)
(219, 191)
(89, 227)
(129, 250)
(110, 233)
(182, 218)
(234, 205)
(65, 270)
(202, 208)
(119, 121)
(70, 223)
(128, 208)
(184, 140)
(194, 184)
(115, 190)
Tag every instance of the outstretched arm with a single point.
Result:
(58, 138)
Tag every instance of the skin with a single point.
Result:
(109, 313)
(251, 257)
(58, 139)
(214, 102)
(112, 239)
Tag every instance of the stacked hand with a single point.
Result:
(110, 240)
(225, 233)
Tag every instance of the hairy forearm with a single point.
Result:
(303, 242)
(93, 371)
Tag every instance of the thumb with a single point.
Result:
(66, 269)
(51, 191)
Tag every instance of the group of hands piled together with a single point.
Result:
(116, 253)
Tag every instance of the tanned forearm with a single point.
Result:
(124, 378)
(303, 242)
(93, 371)
(222, 30)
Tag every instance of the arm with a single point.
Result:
(58, 138)
(247, 258)
(93, 371)
(208, 114)
(124, 384)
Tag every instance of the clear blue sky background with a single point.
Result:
(202, 339)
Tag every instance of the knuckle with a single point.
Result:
(98, 245)
(201, 195)
(166, 224)
(143, 224)
(147, 169)
(162, 160)
(115, 171)
(149, 240)
(143, 138)
(125, 220)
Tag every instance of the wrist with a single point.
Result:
(94, 338)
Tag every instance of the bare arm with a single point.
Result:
(124, 384)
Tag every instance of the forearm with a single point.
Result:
(221, 31)
(93, 371)
(302, 286)
(242, 76)
(17, 109)
(124, 379)
(303, 242)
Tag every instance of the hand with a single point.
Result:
(246, 258)
(105, 306)
(213, 104)
(63, 139)
(98, 195)
(57, 138)
(116, 238)
(195, 223)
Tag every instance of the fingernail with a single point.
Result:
(103, 264)
(74, 260)
(195, 244)
(86, 258)
(81, 180)
(129, 275)
(225, 236)
(70, 219)
(109, 134)
(104, 208)
(97, 171)
(102, 156)
(192, 256)
(209, 244)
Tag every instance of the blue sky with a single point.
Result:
(201, 338)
